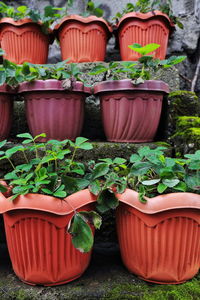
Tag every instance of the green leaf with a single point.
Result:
(119, 161)
(99, 170)
(98, 70)
(106, 201)
(13, 150)
(95, 187)
(145, 49)
(140, 168)
(25, 135)
(81, 232)
(171, 182)
(150, 182)
(161, 188)
(92, 217)
(86, 146)
(60, 194)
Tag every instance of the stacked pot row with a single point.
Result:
(83, 39)
(159, 241)
(130, 113)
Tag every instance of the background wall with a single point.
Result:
(186, 41)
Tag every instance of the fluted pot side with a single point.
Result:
(143, 33)
(59, 114)
(83, 42)
(131, 116)
(25, 43)
(6, 112)
(160, 243)
(41, 250)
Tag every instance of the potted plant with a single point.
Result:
(25, 34)
(158, 218)
(54, 100)
(131, 108)
(83, 38)
(146, 21)
(49, 202)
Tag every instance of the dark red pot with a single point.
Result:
(131, 113)
(6, 110)
(53, 110)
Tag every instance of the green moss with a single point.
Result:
(184, 103)
(186, 122)
(137, 291)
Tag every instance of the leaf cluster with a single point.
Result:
(49, 15)
(14, 74)
(141, 70)
(153, 173)
(145, 6)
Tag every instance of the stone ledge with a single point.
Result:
(106, 278)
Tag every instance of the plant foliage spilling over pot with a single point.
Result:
(146, 21)
(54, 99)
(131, 108)
(83, 38)
(25, 33)
(158, 218)
(49, 203)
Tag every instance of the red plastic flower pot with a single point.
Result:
(6, 110)
(24, 41)
(40, 248)
(131, 113)
(136, 27)
(53, 110)
(83, 39)
(159, 240)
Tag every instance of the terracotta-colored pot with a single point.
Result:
(24, 41)
(6, 110)
(131, 113)
(136, 27)
(40, 248)
(159, 240)
(53, 110)
(83, 39)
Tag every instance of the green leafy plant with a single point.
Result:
(143, 69)
(50, 168)
(89, 8)
(107, 177)
(153, 173)
(47, 18)
(145, 6)
(13, 74)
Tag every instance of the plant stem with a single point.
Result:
(11, 163)
(26, 159)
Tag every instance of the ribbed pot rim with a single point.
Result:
(126, 85)
(6, 89)
(47, 203)
(84, 20)
(26, 21)
(51, 85)
(21, 22)
(146, 16)
(160, 203)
